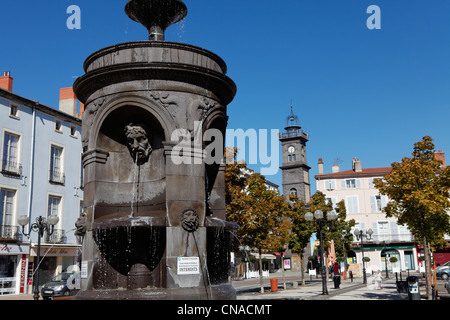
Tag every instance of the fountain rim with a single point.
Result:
(154, 44)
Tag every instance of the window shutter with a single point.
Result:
(375, 230)
(343, 184)
(394, 230)
(373, 204)
(384, 201)
(358, 183)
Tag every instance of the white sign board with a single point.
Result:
(84, 269)
(188, 265)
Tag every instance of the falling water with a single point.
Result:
(135, 195)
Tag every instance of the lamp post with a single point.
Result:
(360, 235)
(42, 224)
(319, 218)
(385, 245)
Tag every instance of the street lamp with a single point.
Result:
(321, 221)
(42, 224)
(385, 246)
(360, 235)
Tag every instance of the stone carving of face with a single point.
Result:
(138, 142)
(189, 220)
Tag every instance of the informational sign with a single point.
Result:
(23, 272)
(287, 264)
(188, 265)
(84, 269)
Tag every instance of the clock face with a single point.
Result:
(291, 149)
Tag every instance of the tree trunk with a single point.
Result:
(261, 283)
(282, 269)
(427, 268)
(427, 259)
(302, 268)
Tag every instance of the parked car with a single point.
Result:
(444, 274)
(443, 266)
(57, 287)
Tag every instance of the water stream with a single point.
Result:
(135, 195)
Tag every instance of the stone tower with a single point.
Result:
(295, 167)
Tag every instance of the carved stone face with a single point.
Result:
(189, 220)
(138, 142)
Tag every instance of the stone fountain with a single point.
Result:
(154, 228)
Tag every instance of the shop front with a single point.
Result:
(13, 266)
(54, 260)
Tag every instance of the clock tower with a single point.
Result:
(295, 167)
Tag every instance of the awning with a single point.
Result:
(264, 255)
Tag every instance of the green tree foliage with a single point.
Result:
(418, 189)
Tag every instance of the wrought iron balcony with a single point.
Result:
(57, 177)
(11, 168)
(9, 233)
(58, 236)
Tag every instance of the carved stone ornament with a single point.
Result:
(81, 225)
(138, 142)
(189, 220)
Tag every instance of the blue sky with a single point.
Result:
(357, 92)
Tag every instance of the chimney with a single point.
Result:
(68, 101)
(6, 82)
(335, 168)
(80, 115)
(440, 155)
(356, 165)
(320, 166)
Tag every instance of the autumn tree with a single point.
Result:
(260, 213)
(338, 230)
(418, 189)
(301, 231)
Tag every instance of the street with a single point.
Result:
(249, 289)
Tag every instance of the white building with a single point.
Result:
(41, 174)
(364, 204)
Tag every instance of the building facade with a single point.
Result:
(41, 174)
(364, 204)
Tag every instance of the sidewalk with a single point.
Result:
(348, 290)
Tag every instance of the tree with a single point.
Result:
(418, 189)
(260, 213)
(300, 233)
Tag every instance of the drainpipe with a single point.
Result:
(31, 180)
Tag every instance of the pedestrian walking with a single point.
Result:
(336, 275)
(378, 279)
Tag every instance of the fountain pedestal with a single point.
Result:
(146, 214)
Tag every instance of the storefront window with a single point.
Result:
(47, 270)
(7, 270)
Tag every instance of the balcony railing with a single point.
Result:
(9, 233)
(11, 168)
(57, 177)
(58, 236)
(388, 238)
(293, 134)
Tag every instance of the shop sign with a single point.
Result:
(56, 252)
(13, 249)
(23, 270)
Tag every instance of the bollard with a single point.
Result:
(274, 285)
(413, 288)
